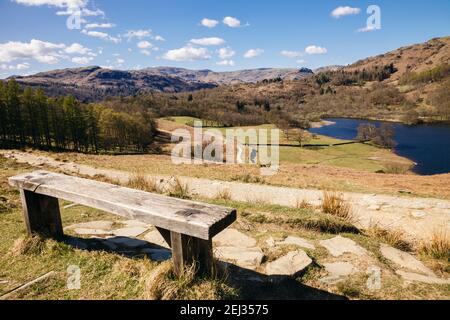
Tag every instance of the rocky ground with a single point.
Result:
(344, 257)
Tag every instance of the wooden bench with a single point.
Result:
(187, 226)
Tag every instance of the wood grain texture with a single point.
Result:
(186, 217)
(41, 214)
(188, 251)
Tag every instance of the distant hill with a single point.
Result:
(241, 76)
(414, 58)
(95, 83)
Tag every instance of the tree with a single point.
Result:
(240, 106)
(303, 137)
(383, 136)
(267, 105)
(441, 100)
(386, 136)
(284, 126)
(366, 132)
(411, 117)
(30, 118)
(15, 122)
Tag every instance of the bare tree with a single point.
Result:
(303, 137)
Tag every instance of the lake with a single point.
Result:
(427, 144)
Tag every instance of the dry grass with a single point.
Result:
(438, 247)
(179, 189)
(396, 168)
(248, 178)
(141, 182)
(163, 285)
(395, 238)
(303, 204)
(103, 178)
(28, 245)
(334, 204)
(224, 194)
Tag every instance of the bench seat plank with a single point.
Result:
(186, 217)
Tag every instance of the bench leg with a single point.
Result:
(41, 214)
(187, 251)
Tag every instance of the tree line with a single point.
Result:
(30, 118)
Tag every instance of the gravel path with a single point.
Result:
(417, 217)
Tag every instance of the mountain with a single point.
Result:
(414, 58)
(241, 76)
(95, 83)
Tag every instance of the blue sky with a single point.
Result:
(238, 34)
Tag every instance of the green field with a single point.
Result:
(360, 156)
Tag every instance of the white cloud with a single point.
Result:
(315, 50)
(252, 53)
(19, 66)
(344, 11)
(226, 63)
(225, 53)
(146, 52)
(291, 54)
(41, 51)
(187, 53)
(137, 34)
(99, 25)
(144, 45)
(71, 4)
(77, 48)
(22, 66)
(159, 38)
(209, 23)
(68, 7)
(92, 13)
(81, 60)
(232, 22)
(101, 35)
(213, 41)
(301, 61)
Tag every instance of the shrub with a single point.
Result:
(224, 194)
(438, 246)
(141, 182)
(179, 190)
(334, 204)
(395, 238)
(162, 284)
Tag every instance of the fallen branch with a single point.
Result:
(26, 285)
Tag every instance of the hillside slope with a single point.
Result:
(95, 83)
(414, 58)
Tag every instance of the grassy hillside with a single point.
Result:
(114, 274)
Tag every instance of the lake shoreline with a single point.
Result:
(426, 145)
(422, 121)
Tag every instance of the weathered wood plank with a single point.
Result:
(41, 214)
(188, 251)
(190, 218)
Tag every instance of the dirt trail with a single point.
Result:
(417, 217)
